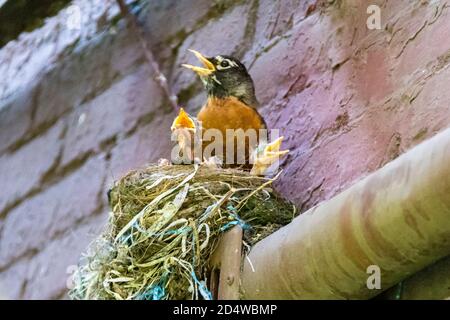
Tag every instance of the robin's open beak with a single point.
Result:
(183, 121)
(201, 71)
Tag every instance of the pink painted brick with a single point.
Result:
(49, 272)
(13, 280)
(274, 20)
(361, 149)
(23, 170)
(147, 145)
(31, 225)
(429, 25)
(15, 117)
(230, 27)
(114, 112)
(86, 73)
(429, 112)
(183, 16)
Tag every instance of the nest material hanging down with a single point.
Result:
(164, 225)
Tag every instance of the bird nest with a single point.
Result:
(165, 223)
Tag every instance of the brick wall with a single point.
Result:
(347, 99)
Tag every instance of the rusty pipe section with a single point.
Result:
(397, 219)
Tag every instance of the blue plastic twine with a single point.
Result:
(206, 294)
(155, 292)
(236, 221)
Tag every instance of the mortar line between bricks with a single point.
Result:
(59, 175)
(439, 64)
(54, 175)
(322, 138)
(76, 163)
(31, 253)
(212, 14)
(26, 255)
(49, 178)
(47, 125)
(23, 289)
(30, 135)
(60, 295)
(412, 38)
(40, 130)
(250, 29)
(272, 42)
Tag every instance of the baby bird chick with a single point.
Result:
(186, 131)
(265, 155)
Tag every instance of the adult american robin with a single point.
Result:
(230, 110)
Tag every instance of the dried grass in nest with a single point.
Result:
(164, 225)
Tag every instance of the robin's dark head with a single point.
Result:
(224, 76)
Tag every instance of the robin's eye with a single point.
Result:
(223, 63)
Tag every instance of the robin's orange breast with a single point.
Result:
(230, 113)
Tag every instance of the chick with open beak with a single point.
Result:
(231, 105)
(265, 155)
(186, 131)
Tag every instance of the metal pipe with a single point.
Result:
(396, 219)
(431, 283)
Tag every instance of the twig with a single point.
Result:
(137, 29)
